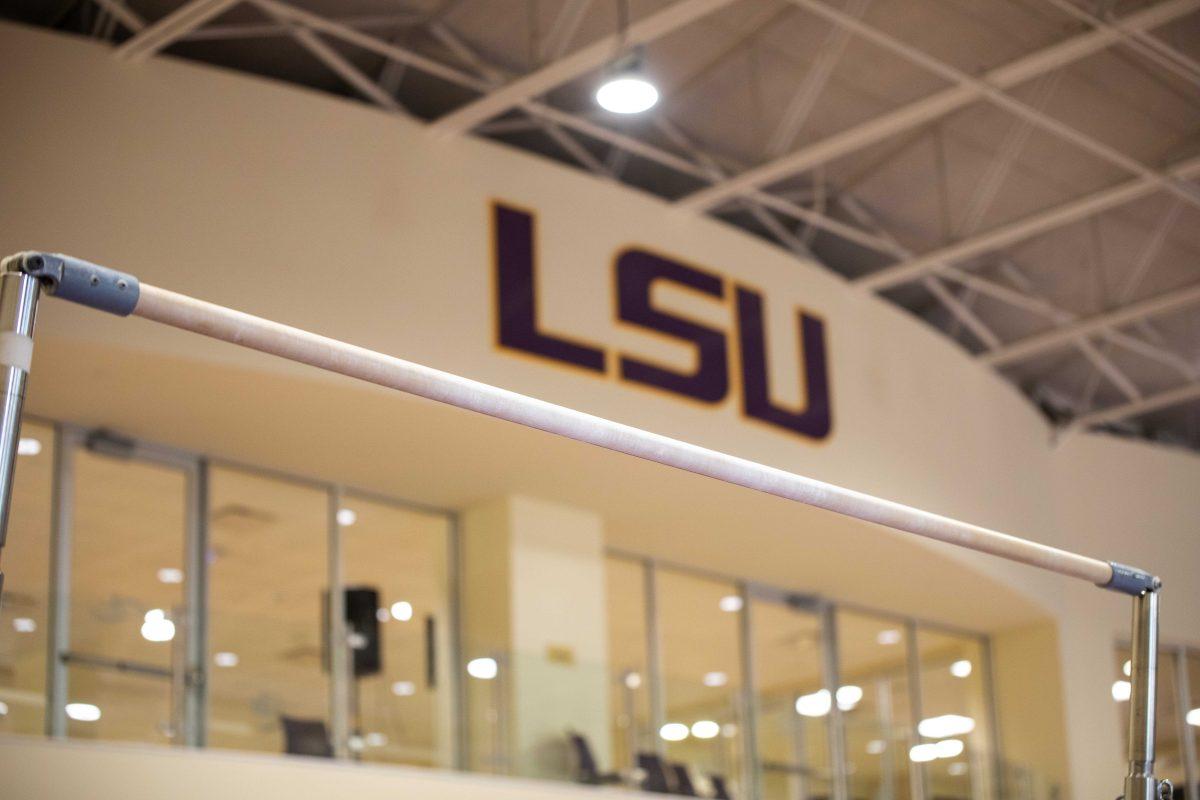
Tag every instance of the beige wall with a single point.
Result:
(1032, 734)
(33, 768)
(534, 598)
(338, 218)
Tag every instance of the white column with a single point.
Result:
(534, 598)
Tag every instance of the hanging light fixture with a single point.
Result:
(626, 89)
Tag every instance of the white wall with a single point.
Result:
(34, 768)
(338, 218)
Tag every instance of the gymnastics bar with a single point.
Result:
(23, 275)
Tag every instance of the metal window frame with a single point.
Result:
(193, 677)
(826, 610)
(197, 468)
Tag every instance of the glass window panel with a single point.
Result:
(701, 674)
(792, 704)
(129, 526)
(26, 580)
(628, 677)
(953, 690)
(402, 713)
(267, 579)
(873, 657)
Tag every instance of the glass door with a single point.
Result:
(125, 636)
(792, 703)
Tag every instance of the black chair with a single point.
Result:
(586, 770)
(720, 791)
(683, 781)
(654, 773)
(305, 737)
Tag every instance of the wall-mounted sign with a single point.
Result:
(637, 271)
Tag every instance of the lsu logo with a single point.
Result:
(515, 257)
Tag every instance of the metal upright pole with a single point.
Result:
(340, 664)
(18, 306)
(751, 770)
(831, 669)
(1140, 783)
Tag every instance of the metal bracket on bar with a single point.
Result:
(1130, 580)
(80, 281)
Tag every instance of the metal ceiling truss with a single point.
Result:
(499, 93)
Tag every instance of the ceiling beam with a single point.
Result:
(717, 172)
(262, 30)
(1155, 402)
(370, 43)
(348, 72)
(562, 30)
(171, 28)
(1140, 42)
(122, 12)
(1066, 334)
(1038, 222)
(961, 311)
(810, 87)
(1054, 126)
(577, 122)
(582, 61)
(936, 105)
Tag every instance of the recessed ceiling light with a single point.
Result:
(848, 697)
(945, 726)
(83, 712)
(673, 732)
(957, 768)
(816, 704)
(402, 610)
(156, 627)
(961, 669)
(170, 575)
(225, 659)
(876, 747)
(949, 748)
(730, 603)
(483, 668)
(404, 688)
(346, 517)
(1127, 668)
(633, 680)
(28, 446)
(889, 637)
(1121, 690)
(1193, 717)
(923, 752)
(375, 739)
(24, 625)
(715, 679)
(382, 614)
(706, 729)
(3, 709)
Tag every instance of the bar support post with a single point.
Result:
(18, 306)
(1140, 783)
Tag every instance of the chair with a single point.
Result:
(586, 770)
(720, 791)
(654, 773)
(305, 737)
(683, 780)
